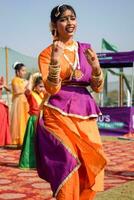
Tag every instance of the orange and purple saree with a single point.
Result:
(68, 145)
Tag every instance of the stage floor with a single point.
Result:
(25, 184)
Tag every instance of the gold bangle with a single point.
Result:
(54, 71)
(96, 76)
(97, 84)
(53, 82)
(54, 65)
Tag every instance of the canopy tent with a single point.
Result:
(116, 60)
(118, 120)
(119, 60)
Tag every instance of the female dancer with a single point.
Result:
(19, 109)
(5, 137)
(35, 94)
(68, 144)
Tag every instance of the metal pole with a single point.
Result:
(7, 70)
(121, 88)
(132, 85)
(6, 53)
(128, 98)
(101, 95)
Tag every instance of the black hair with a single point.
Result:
(18, 67)
(37, 81)
(57, 12)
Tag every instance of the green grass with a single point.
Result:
(124, 192)
(109, 138)
(115, 138)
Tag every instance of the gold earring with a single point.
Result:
(54, 34)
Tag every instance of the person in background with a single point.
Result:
(35, 94)
(68, 145)
(19, 108)
(3, 85)
(5, 137)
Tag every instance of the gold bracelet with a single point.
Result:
(97, 83)
(97, 76)
(54, 71)
(54, 65)
(55, 83)
(97, 79)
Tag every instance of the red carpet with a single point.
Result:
(25, 184)
(120, 168)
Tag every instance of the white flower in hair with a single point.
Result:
(36, 74)
(16, 63)
(34, 77)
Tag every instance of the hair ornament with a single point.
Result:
(16, 63)
(34, 76)
(58, 10)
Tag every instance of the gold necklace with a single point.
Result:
(76, 73)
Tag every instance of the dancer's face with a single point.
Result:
(22, 72)
(40, 87)
(66, 25)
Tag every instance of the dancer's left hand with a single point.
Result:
(93, 60)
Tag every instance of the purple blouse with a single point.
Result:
(76, 100)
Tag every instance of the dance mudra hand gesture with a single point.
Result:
(57, 51)
(93, 60)
(54, 67)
